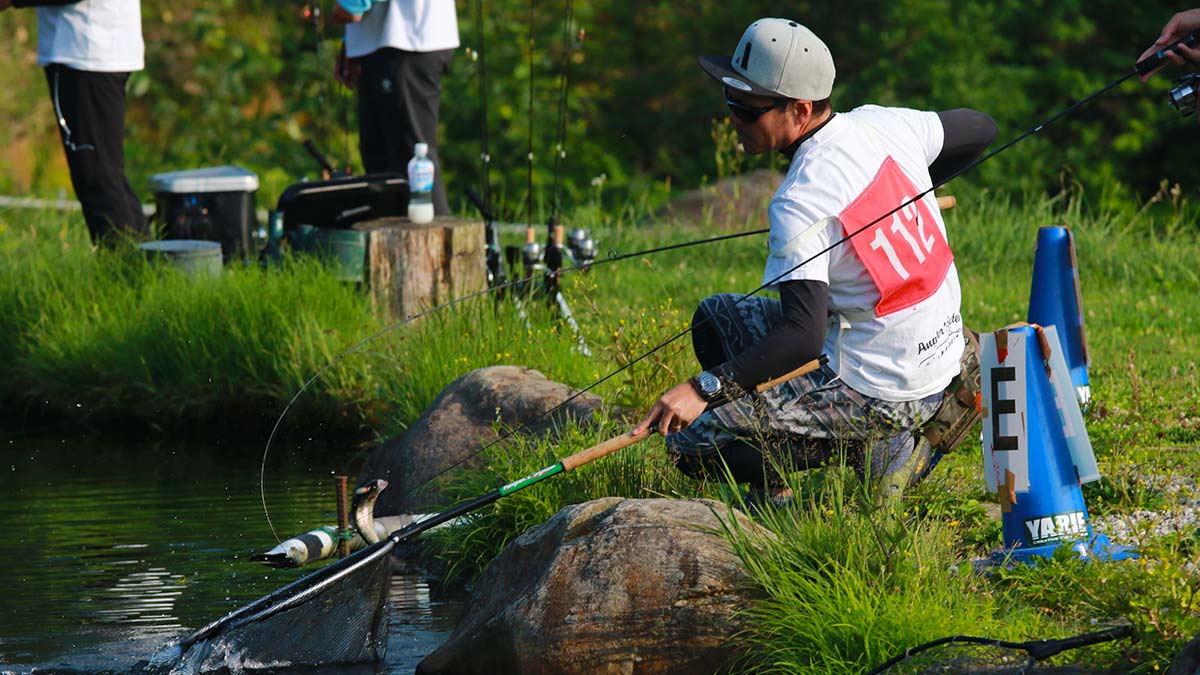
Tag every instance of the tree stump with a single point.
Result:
(411, 268)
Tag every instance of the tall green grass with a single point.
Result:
(104, 333)
(848, 584)
(94, 334)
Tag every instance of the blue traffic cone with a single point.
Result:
(1036, 450)
(1055, 300)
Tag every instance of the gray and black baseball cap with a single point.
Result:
(777, 58)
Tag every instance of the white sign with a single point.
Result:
(1066, 403)
(1005, 411)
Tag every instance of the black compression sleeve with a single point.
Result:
(967, 134)
(797, 340)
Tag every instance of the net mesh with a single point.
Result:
(963, 658)
(335, 615)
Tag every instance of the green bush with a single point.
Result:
(245, 83)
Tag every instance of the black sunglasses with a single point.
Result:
(749, 113)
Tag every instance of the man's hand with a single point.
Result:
(1176, 29)
(339, 14)
(346, 71)
(676, 409)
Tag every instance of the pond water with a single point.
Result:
(116, 547)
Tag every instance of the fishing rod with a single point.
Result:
(255, 618)
(529, 135)
(311, 15)
(494, 262)
(1141, 68)
(555, 244)
(970, 654)
(560, 152)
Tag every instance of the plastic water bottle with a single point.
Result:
(420, 185)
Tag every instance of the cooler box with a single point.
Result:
(212, 204)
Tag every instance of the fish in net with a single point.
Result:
(337, 614)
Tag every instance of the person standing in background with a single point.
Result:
(88, 49)
(395, 53)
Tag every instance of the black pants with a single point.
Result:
(91, 121)
(398, 99)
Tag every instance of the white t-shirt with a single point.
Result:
(895, 327)
(102, 36)
(409, 25)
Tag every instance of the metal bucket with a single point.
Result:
(191, 256)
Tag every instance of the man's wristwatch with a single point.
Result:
(708, 386)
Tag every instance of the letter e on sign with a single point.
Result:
(1005, 407)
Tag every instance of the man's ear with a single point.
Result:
(801, 110)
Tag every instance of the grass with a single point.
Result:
(850, 584)
(94, 334)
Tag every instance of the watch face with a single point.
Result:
(710, 385)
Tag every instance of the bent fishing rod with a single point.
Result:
(1147, 65)
(1141, 68)
(308, 586)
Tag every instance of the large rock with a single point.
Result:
(733, 204)
(1187, 662)
(610, 586)
(461, 421)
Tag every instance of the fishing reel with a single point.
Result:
(1183, 94)
(531, 254)
(581, 245)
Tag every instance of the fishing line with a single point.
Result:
(704, 320)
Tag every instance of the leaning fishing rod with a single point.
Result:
(311, 15)
(496, 274)
(554, 232)
(555, 244)
(1141, 68)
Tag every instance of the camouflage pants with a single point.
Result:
(802, 423)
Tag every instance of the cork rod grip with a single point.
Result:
(806, 368)
(603, 449)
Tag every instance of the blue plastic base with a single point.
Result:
(1098, 548)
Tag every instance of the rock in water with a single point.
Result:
(610, 586)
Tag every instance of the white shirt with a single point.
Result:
(103, 36)
(906, 346)
(409, 25)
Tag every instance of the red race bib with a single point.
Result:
(905, 253)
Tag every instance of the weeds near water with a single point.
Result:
(847, 584)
